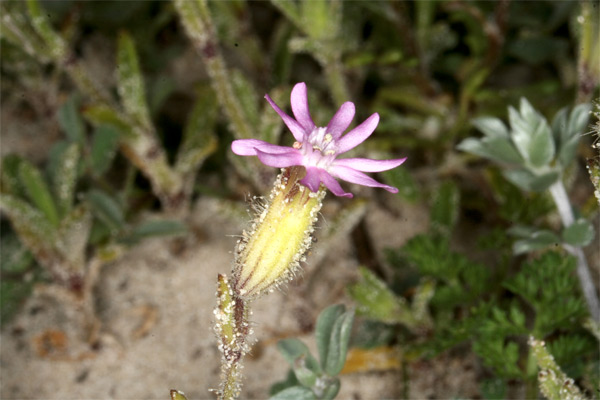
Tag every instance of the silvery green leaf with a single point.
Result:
(521, 231)
(105, 143)
(73, 234)
(38, 191)
(495, 148)
(527, 180)
(570, 131)
(375, 300)
(246, 95)
(106, 209)
(324, 328)
(560, 125)
(331, 390)
(294, 393)
(157, 228)
(491, 127)
(41, 24)
(531, 135)
(199, 140)
(292, 349)
(101, 114)
(33, 228)
(338, 343)
(70, 120)
(580, 233)
(131, 83)
(538, 240)
(541, 148)
(305, 375)
(65, 178)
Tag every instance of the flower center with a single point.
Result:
(318, 148)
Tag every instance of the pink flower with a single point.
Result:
(316, 148)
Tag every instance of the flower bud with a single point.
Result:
(280, 236)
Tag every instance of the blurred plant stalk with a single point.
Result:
(563, 205)
(589, 51)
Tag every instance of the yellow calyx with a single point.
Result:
(280, 236)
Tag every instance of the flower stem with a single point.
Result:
(561, 199)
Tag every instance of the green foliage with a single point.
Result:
(530, 145)
(312, 379)
(548, 285)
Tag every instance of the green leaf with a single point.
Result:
(331, 390)
(106, 209)
(538, 240)
(246, 95)
(14, 257)
(491, 127)
(529, 181)
(10, 182)
(101, 114)
(157, 228)
(41, 23)
(531, 135)
(294, 393)
(289, 381)
(130, 82)
(445, 208)
(105, 143)
(580, 233)
(65, 178)
(305, 375)
(324, 327)
(568, 132)
(70, 120)
(292, 349)
(375, 300)
(177, 395)
(495, 148)
(33, 228)
(199, 140)
(37, 191)
(338, 343)
(73, 235)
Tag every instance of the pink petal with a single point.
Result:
(334, 185)
(300, 109)
(341, 120)
(368, 165)
(351, 175)
(280, 160)
(358, 135)
(311, 180)
(297, 129)
(248, 147)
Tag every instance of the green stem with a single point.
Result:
(561, 199)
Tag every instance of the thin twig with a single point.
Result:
(561, 199)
